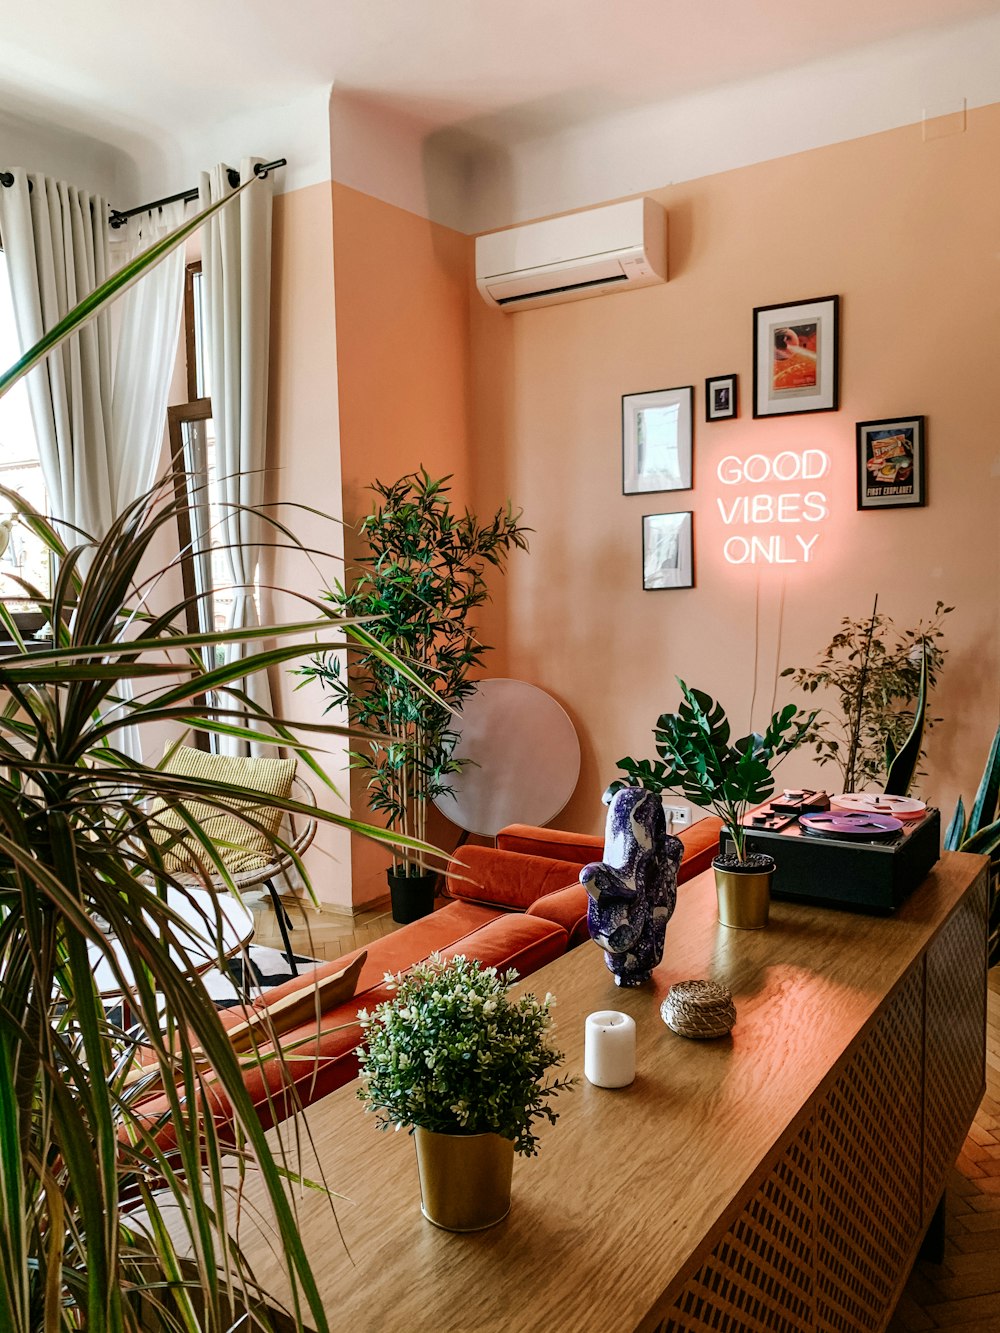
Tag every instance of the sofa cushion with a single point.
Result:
(243, 847)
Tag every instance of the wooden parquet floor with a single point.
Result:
(961, 1293)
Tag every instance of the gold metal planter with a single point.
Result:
(744, 897)
(464, 1178)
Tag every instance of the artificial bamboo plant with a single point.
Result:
(93, 1174)
(421, 576)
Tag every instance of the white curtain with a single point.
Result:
(56, 241)
(236, 262)
(99, 417)
(147, 349)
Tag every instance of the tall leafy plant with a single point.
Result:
(875, 672)
(422, 575)
(114, 1205)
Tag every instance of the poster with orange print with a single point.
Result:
(890, 463)
(795, 357)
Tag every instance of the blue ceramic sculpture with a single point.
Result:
(634, 889)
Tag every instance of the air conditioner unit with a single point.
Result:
(610, 249)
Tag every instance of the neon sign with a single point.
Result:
(767, 507)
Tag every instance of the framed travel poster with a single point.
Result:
(891, 472)
(795, 357)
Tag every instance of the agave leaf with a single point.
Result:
(985, 841)
(955, 833)
(984, 807)
(904, 765)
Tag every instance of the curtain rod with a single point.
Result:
(119, 217)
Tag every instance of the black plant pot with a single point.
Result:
(412, 895)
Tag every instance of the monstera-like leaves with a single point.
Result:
(697, 759)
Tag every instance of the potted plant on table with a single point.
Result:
(463, 1063)
(698, 760)
(422, 575)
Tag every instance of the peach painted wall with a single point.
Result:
(304, 468)
(402, 303)
(908, 233)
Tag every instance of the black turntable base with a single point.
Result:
(855, 861)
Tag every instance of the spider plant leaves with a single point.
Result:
(79, 845)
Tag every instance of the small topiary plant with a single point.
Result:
(454, 1053)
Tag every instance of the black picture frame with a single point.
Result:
(721, 393)
(658, 440)
(668, 551)
(796, 357)
(891, 463)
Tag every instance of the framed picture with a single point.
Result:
(795, 357)
(891, 463)
(720, 397)
(667, 551)
(656, 440)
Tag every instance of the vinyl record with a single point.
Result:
(837, 824)
(874, 803)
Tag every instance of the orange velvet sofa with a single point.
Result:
(517, 905)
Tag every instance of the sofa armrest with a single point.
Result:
(567, 908)
(506, 879)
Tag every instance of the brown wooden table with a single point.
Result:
(782, 1178)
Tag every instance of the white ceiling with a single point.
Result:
(512, 68)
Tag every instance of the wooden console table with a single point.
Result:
(781, 1179)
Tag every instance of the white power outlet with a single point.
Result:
(679, 815)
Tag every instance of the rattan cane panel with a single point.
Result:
(868, 1149)
(956, 1051)
(760, 1274)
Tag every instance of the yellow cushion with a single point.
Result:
(242, 847)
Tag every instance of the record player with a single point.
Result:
(863, 852)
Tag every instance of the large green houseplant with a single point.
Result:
(698, 759)
(880, 677)
(421, 576)
(105, 1223)
(979, 832)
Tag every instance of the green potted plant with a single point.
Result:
(420, 578)
(879, 676)
(456, 1058)
(102, 1226)
(698, 760)
(979, 832)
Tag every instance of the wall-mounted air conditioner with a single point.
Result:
(610, 249)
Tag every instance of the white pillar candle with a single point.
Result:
(609, 1049)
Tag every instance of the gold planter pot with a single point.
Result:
(464, 1178)
(744, 897)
